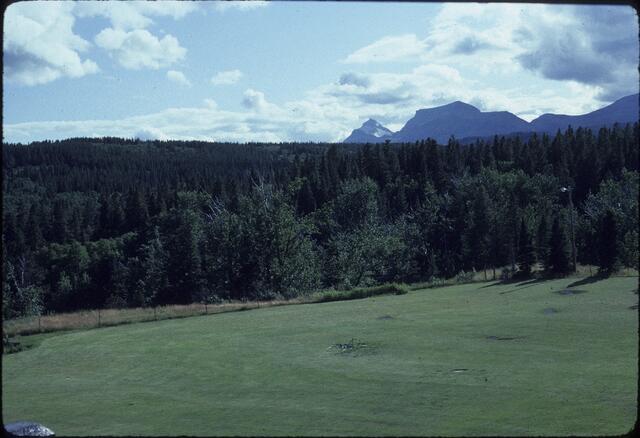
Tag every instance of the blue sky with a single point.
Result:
(281, 71)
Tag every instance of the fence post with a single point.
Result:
(205, 308)
(39, 324)
(155, 315)
(98, 317)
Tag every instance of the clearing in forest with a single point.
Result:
(475, 359)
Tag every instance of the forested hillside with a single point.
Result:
(90, 223)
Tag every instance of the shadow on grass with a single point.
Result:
(589, 280)
(524, 284)
(520, 283)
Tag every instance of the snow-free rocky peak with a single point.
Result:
(464, 122)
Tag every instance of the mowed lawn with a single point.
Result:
(477, 359)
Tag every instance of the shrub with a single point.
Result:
(464, 277)
(354, 294)
(507, 273)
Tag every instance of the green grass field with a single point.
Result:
(475, 359)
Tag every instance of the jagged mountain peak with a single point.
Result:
(371, 131)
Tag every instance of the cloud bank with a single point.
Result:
(528, 59)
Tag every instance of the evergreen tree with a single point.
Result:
(183, 268)
(608, 257)
(59, 231)
(136, 212)
(526, 254)
(306, 202)
(153, 280)
(13, 236)
(366, 217)
(116, 215)
(34, 235)
(542, 241)
(558, 259)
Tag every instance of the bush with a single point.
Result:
(354, 294)
(465, 277)
(507, 274)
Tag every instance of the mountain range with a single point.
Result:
(464, 121)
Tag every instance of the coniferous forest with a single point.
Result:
(109, 222)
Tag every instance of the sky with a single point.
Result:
(300, 71)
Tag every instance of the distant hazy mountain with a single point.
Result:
(467, 123)
(623, 110)
(370, 132)
(460, 120)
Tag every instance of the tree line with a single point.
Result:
(108, 222)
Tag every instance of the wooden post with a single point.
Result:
(39, 323)
(155, 315)
(205, 308)
(98, 317)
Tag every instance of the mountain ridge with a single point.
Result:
(462, 120)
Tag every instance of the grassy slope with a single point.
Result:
(272, 371)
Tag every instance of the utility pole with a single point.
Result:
(573, 234)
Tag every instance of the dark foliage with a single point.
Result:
(109, 222)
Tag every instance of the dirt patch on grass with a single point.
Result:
(549, 311)
(571, 291)
(504, 338)
(353, 347)
(385, 317)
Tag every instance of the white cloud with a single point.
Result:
(134, 14)
(40, 46)
(226, 77)
(263, 121)
(128, 40)
(582, 43)
(389, 48)
(326, 113)
(178, 77)
(553, 42)
(255, 100)
(139, 49)
(245, 5)
(149, 133)
(496, 56)
(204, 123)
(210, 103)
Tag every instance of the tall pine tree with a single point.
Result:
(608, 256)
(558, 258)
(526, 254)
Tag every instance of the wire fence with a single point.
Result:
(110, 317)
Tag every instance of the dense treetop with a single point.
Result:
(101, 222)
